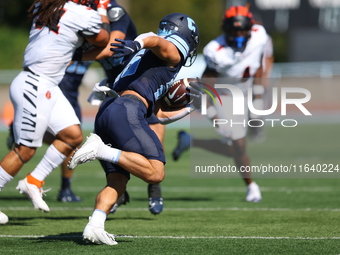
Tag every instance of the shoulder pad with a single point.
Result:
(115, 13)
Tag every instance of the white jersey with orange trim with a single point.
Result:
(239, 69)
(50, 51)
(228, 62)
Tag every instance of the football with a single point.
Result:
(177, 97)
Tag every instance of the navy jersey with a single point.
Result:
(148, 75)
(119, 21)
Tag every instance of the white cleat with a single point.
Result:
(33, 193)
(3, 218)
(253, 193)
(98, 236)
(86, 153)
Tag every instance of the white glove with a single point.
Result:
(99, 92)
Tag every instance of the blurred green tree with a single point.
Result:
(207, 15)
(15, 25)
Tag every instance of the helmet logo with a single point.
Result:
(237, 24)
(191, 24)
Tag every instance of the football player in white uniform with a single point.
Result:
(256, 132)
(235, 57)
(58, 28)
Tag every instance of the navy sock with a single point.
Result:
(65, 183)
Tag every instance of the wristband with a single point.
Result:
(106, 26)
(140, 42)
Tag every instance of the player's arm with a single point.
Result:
(119, 25)
(161, 47)
(103, 52)
(167, 116)
(102, 38)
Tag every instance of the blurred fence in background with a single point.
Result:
(323, 69)
(321, 78)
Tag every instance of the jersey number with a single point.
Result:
(54, 27)
(132, 66)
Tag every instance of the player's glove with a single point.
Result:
(102, 6)
(125, 48)
(194, 91)
(99, 93)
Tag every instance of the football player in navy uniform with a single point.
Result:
(153, 62)
(121, 27)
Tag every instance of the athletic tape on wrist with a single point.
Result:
(140, 42)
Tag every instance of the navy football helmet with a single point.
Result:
(90, 3)
(237, 18)
(184, 25)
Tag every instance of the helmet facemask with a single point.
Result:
(237, 25)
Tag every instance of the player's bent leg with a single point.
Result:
(183, 144)
(56, 153)
(68, 139)
(122, 200)
(87, 152)
(65, 193)
(149, 170)
(94, 231)
(16, 158)
(116, 187)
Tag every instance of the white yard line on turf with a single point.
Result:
(10, 208)
(210, 189)
(180, 237)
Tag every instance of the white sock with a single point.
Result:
(98, 218)
(4, 178)
(108, 153)
(51, 160)
(252, 184)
